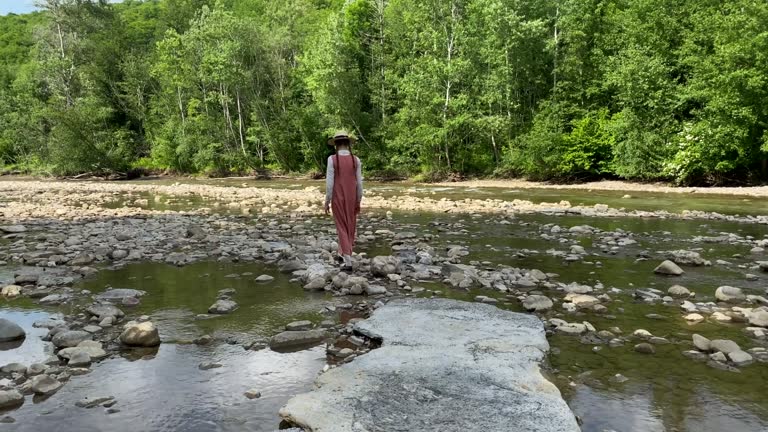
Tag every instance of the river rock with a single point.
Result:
(36, 369)
(13, 368)
(458, 366)
(701, 343)
(758, 318)
(382, 266)
(70, 338)
(582, 301)
(685, 257)
(10, 291)
(117, 295)
(10, 399)
(253, 394)
(694, 317)
(316, 284)
(724, 346)
(222, 307)
(55, 299)
(355, 284)
(730, 294)
(264, 278)
(299, 326)
(10, 331)
(678, 291)
(740, 358)
(669, 268)
(141, 335)
(45, 384)
(94, 352)
(537, 303)
(93, 402)
(104, 310)
(13, 229)
(24, 279)
(696, 355)
(294, 339)
(79, 358)
(373, 290)
(645, 348)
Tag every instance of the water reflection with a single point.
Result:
(168, 392)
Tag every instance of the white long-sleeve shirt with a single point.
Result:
(330, 176)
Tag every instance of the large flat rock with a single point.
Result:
(444, 365)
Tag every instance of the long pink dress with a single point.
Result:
(344, 202)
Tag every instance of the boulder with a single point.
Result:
(294, 339)
(740, 358)
(724, 346)
(668, 268)
(70, 338)
(701, 343)
(141, 335)
(537, 303)
(10, 399)
(449, 365)
(10, 331)
(45, 385)
(13, 368)
(758, 318)
(222, 307)
(79, 359)
(382, 266)
(730, 294)
(11, 291)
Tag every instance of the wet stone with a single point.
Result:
(299, 326)
(645, 348)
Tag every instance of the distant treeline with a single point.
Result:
(563, 90)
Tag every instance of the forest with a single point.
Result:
(558, 90)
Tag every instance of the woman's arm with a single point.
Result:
(329, 175)
(359, 177)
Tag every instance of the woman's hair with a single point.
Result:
(337, 165)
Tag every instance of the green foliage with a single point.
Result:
(567, 90)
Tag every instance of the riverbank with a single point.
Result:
(612, 185)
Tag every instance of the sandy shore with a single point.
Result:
(611, 185)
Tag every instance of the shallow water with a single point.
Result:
(665, 392)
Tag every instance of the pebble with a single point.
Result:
(253, 394)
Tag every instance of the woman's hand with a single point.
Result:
(327, 208)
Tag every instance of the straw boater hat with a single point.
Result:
(341, 135)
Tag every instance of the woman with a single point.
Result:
(344, 191)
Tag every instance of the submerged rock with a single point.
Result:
(293, 339)
(222, 307)
(10, 331)
(451, 365)
(669, 268)
(645, 348)
(686, 257)
(118, 295)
